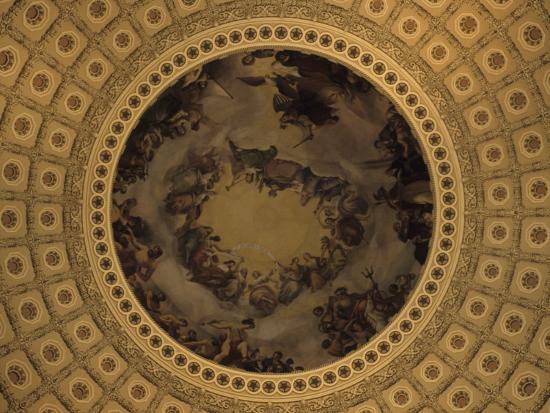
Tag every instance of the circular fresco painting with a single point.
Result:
(272, 211)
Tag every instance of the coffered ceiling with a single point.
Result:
(472, 78)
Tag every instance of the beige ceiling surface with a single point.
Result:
(471, 77)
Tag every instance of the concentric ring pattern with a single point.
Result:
(472, 79)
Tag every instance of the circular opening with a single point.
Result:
(260, 205)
